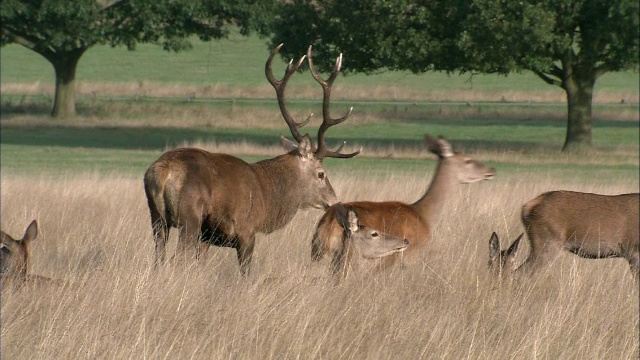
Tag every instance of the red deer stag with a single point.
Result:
(221, 200)
(407, 221)
(15, 258)
(592, 226)
(361, 246)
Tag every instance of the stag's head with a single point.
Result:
(502, 261)
(14, 254)
(467, 169)
(367, 242)
(317, 191)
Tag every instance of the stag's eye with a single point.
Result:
(321, 175)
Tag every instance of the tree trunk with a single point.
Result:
(579, 100)
(65, 65)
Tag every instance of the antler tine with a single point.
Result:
(279, 86)
(327, 120)
(337, 154)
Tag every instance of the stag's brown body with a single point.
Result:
(224, 200)
(589, 225)
(221, 200)
(408, 221)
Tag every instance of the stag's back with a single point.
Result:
(223, 186)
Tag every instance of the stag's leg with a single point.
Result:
(244, 249)
(188, 241)
(160, 234)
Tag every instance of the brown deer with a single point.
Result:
(502, 261)
(407, 221)
(221, 200)
(592, 226)
(361, 246)
(15, 258)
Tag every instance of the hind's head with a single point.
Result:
(502, 261)
(14, 253)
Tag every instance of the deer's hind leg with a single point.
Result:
(188, 241)
(544, 247)
(160, 229)
(244, 247)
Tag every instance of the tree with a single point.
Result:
(62, 31)
(567, 43)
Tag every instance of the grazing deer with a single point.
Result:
(502, 261)
(224, 201)
(15, 258)
(361, 246)
(407, 221)
(589, 225)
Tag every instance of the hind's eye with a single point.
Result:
(374, 234)
(321, 175)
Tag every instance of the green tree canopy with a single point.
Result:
(62, 31)
(567, 43)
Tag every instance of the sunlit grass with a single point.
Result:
(96, 237)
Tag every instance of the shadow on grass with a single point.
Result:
(161, 138)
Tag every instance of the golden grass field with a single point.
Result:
(96, 237)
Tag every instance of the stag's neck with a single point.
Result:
(431, 204)
(279, 181)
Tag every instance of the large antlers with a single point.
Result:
(327, 121)
(279, 85)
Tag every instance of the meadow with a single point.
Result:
(81, 179)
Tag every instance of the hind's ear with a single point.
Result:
(494, 245)
(513, 249)
(31, 233)
(341, 215)
(353, 221)
(439, 146)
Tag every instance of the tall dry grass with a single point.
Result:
(96, 236)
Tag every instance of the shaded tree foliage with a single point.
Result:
(567, 43)
(62, 31)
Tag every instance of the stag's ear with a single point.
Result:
(31, 232)
(287, 144)
(494, 245)
(305, 148)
